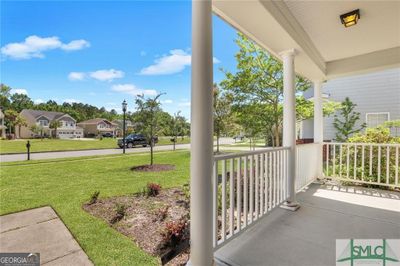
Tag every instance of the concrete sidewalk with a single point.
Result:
(41, 231)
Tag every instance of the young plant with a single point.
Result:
(175, 232)
(94, 197)
(120, 210)
(153, 189)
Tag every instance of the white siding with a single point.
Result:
(377, 92)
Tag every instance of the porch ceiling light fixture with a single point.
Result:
(351, 18)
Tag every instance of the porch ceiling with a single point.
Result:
(326, 48)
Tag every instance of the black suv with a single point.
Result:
(134, 140)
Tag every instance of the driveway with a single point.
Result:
(68, 154)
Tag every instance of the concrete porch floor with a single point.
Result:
(308, 236)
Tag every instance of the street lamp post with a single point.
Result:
(124, 105)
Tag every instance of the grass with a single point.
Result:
(67, 184)
(37, 145)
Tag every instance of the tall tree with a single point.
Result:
(222, 113)
(20, 102)
(346, 121)
(176, 127)
(10, 117)
(5, 93)
(20, 122)
(55, 124)
(148, 116)
(258, 83)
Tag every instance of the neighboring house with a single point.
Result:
(2, 126)
(129, 127)
(96, 126)
(377, 96)
(67, 129)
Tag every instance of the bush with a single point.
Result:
(370, 171)
(94, 197)
(153, 189)
(175, 232)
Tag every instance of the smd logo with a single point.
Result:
(359, 252)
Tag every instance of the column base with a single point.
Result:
(291, 206)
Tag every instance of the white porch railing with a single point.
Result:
(307, 156)
(246, 186)
(376, 164)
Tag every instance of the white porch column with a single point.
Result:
(289, 122)
(318, 122)
(201, 161)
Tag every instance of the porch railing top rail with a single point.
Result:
(364, 144)
(248, 153)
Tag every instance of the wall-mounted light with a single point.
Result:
(351, 18)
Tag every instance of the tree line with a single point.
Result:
(13, 103)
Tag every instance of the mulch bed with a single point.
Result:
(143, 221)
(153, 168)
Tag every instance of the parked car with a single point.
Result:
(135, 140)
(107, 135)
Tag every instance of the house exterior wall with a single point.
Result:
(88, 129)
(377, 92)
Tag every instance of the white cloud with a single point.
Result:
(168, 101)
(35, 46)
(76, 76)
(75, 45)
(71, 101)
(19, 91)
(184, 104)
(38, 101)
(132, 90)
(107, 75)
(174, 62)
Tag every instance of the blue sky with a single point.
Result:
(101, 52)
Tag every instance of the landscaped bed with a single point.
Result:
(156, 220)
(67, 184)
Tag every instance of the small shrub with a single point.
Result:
(94, 197)
(175, 232)
(120, 210)
(186, 191)
(153, 189)
(162, 213)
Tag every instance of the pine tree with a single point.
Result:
(346, 127)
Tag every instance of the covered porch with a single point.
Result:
(236, 217)
(308, 236)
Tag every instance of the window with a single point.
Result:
(43, 123)
(376, 119)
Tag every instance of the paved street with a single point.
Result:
(68, 154)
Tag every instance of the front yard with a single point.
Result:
(37, 145)
(67, 184)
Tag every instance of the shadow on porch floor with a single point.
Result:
(308, 236)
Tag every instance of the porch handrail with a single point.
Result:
(247, 186)
(368, 163)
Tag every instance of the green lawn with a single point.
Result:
(65, 184)
(37, 145)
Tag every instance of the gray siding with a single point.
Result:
(373, 93)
